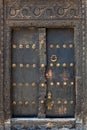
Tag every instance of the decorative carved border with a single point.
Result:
(84, 39)
(18, 10)
(1, 66)
(79, 27)
(9, 25)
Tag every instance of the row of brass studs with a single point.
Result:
(58, 46)
(42, 84)
(21, 103)
(42, 102)
(42, 65)
(27, 65)
(26, 84)
(64, 65)
(65, 102)
(22, 46)
(64, 83)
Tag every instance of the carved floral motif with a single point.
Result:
(46, 10)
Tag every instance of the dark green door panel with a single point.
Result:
(60, 73)
(43, 75)
(25, 72)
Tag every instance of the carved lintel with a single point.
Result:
(54, 10)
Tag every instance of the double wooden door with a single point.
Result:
(43, 72)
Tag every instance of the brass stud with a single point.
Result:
(59, 102)
(21, 65)
(49, 108)
(71, 64)
(64, 64)
(14, 84)
(20, 84)
(51, 46)
(42, 85)
(13, 65)
(14, 46)
(51, 64)
(42, 101)
(27, 65)
(20, 103)
(71, 102)
(14, 103)
(58, 64)
(33, 102)
(57, 46)
(34, 65)
(27, 84)
(58, 83)
(33, 46)
(72, 83)
(49, 95)
(65, 83)
(65, 102)
(71, 45)
(27, 46)
(51, 83)
(33, 84)
(20, 46)
(64, 46)
(42, 65)
(26, 103)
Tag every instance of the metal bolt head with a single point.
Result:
(27, 46)
(65, 83)
(14, 103)
(21, 65)
(14, 46)
(20, 103)
(51, 46)
(26, 103)
(64, 46)
(65, 102)
(42, 85)
(33, 84)
(27, 65)
(57, 46)
(58, 64)
(13, 65)
(14, 84)
(27, 84)
(59, 102)
(72, 83)
(71, 45)
(20, 84)
(42, 65)
(58, 83)
(64, 64)
(33, 46)
(71, 102)
(34, 65)
(51, 83)
(71, 64)
(33, 102)
(42, 101)
(20, 46)
(51, 64)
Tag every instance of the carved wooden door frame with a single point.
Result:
(15, 16)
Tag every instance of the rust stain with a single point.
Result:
(65, 76)
(62, 110)
(49, 74)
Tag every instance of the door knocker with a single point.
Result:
(53, 58)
